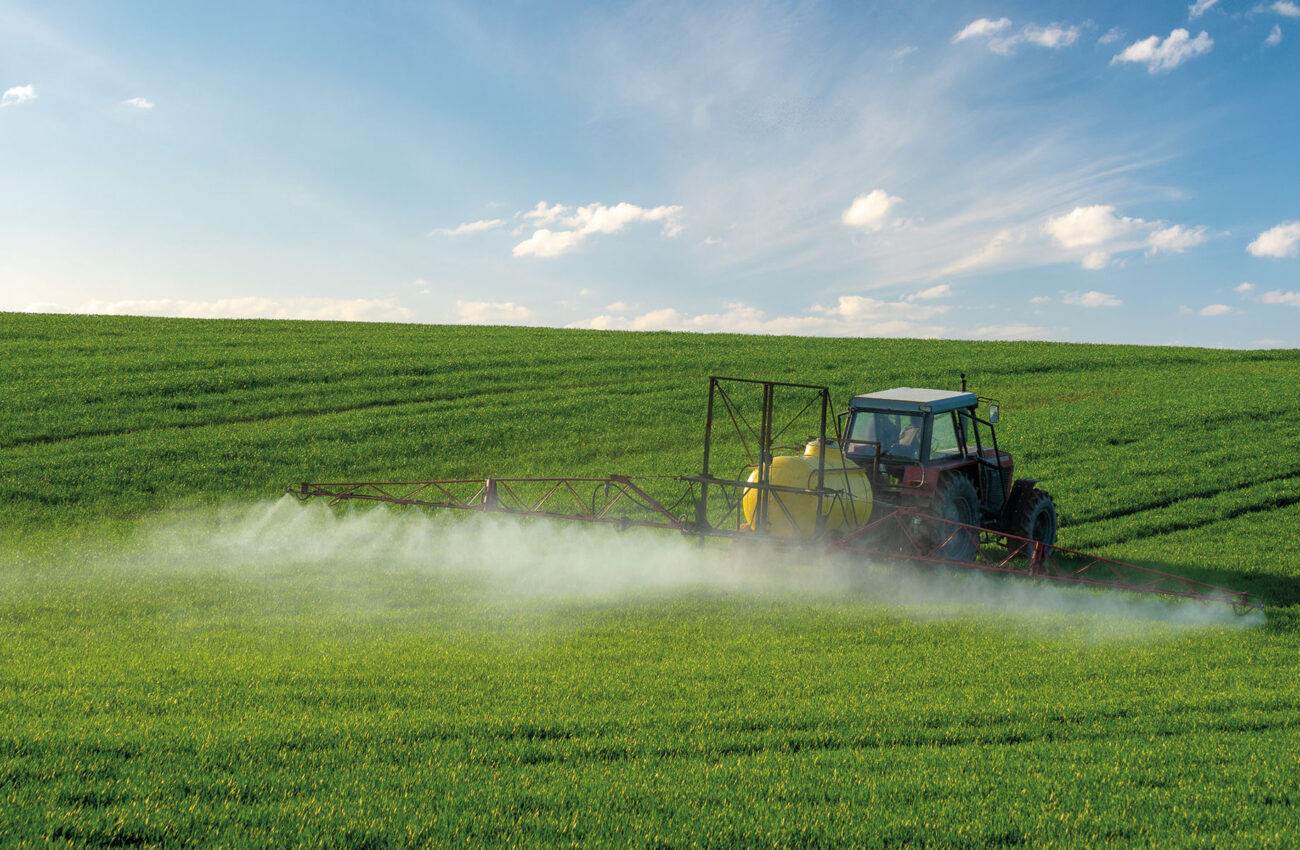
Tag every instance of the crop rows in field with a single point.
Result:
(172, 677)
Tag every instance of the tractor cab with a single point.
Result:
(908, 439)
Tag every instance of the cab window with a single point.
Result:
(899, 434)
(943, 438)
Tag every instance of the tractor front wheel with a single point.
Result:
(1036, 518)
(957, 501)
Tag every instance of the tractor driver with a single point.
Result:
(900, 438)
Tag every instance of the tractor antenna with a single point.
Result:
(963, 382)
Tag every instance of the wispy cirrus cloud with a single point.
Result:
(468, 227)
(981, 28)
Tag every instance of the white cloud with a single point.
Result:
(467, 227)
(616, 307)
(1112, 35)
(1274, 37)
(1168, 54)
(1277, 296)
(17, 94)
(1011, 332)
(1086, 226)
(1091, 299)
(1245, 287)
(1176, 239)
(943, 290)
(1094, 233)
(1200, 7)
(585, 221)
(138, 103)
(1286, 8)
(851, 315)
(488, 313)
(1095, 260)
(870, 211)
(860, 308)
(335, 309)
(1040, 299)
(1052, 35)
(1215, 310)
(548, 243)
(1279, 241)
(544, 214)
(981, 28)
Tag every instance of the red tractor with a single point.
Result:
(930, 450)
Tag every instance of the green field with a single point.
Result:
(188, 658)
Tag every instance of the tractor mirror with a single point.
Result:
(993, 414)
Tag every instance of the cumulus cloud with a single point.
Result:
(1112, 35)
(1274, 37)
(1277, 296)
(1167, 54)
(1175, 239)
(1091, 299)
(17, 94)
(335, 309)
(1286, 8)
(1093, 233)
(871, 211)
(1200, 7)
(860, 308)
(467, 227)
(548, 243)
(1215, 310)
(489, 313)
(138, 103)
(1245, 287)
(585, 221)
(981, 28)
(1280, 241)
(1086, 226)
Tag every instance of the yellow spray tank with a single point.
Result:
(844, 512)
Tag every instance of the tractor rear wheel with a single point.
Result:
(1036, 518)
(956, 501)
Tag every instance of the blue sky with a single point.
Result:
(1099, 172)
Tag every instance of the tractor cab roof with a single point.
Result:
(913, 400)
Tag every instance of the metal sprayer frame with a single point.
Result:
(767, 434)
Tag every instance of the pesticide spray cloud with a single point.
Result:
(504, 558)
